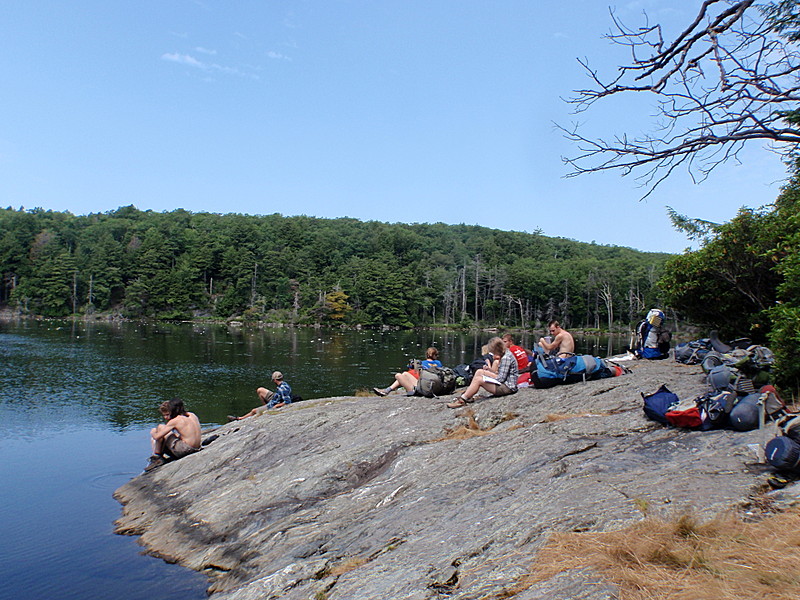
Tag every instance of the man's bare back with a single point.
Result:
(188, 428)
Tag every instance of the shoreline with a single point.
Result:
(8, 315)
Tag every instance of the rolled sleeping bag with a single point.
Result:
(783, 453)
(745, 415)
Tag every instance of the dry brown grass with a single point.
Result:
(724, 559)
(463, 432)
(472, 429)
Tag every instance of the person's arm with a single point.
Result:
(163, 430)
(504, 368)
(548, 345)
(283, 394)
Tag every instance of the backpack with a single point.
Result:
(463, 374)
(789, 426)
(691, 353)
(690, 417)
(479, 363)
(774, 406)
(716, 407)
(653, 340)
(435, 381)
(720, 378)
(657, 404)
(783, 451)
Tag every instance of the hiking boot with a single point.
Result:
(155, 461)
(381, 392)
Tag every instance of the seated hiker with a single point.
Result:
(269, 399)
(523, 362)
(562, 344)
(408, 379)
(501, 382)
(178, 437)
(652, 339)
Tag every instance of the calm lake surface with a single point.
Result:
(77, 401)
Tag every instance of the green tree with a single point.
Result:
(729, 283)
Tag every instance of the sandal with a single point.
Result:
(458, 402)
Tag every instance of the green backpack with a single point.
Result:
(436, 381)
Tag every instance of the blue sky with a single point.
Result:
(393, 110)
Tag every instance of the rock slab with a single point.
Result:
(372, 498)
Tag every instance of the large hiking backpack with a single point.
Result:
(652, 338)
(550, 370)
(691, 353)
(783, 451)
(435, 381)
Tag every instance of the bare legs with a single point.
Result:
(405, 380)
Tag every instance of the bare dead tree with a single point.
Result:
(730, 77)
(607, 294)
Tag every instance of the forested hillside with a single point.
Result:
(179, 265)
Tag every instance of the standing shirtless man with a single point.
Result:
(178, 437)
(562, 345)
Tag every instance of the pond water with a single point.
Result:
(77, 401)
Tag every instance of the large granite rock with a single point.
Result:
(375, 498)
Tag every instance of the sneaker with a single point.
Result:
(380, 392)
(155, 461)
(232, 418)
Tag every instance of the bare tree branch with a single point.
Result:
(731, 76)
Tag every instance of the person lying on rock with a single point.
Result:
(269, 399)
(498, 383)
(408, 379)
(178, 437)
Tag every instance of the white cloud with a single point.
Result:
(191, 61)
(277, 55)
(202, 50)
(184, 59)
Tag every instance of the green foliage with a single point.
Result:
(785, 316)
(178, 265)
(745, 280)
(729, 282)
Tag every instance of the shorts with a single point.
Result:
(501, 389)
(176, 447)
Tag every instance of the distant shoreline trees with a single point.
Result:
(183, 265)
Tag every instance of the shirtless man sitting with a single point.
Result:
(562, 345)
(178, 437)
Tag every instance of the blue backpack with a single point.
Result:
(657, 404)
